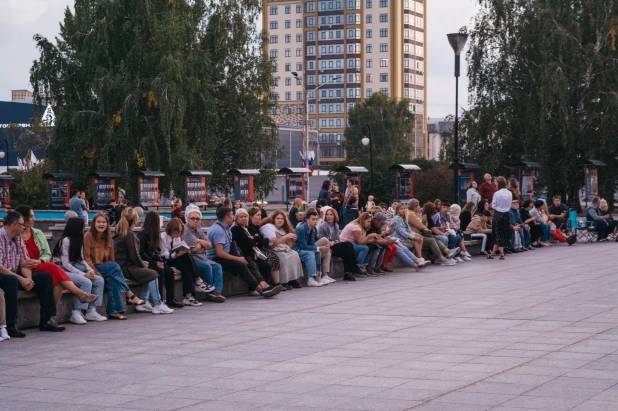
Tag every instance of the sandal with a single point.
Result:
(490, 257)
(116, 316)
(502, 257)
(134, 300)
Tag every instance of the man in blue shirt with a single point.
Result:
(306, 248)
(77, 205)
(220, 236)
(442, 220)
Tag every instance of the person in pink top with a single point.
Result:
(356, 234)
(487, 189)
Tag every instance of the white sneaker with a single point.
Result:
(311, 282)
(323, 281)
(3, 334)
(420, 260)
(77, 317)
(465, 254)
(203, 288)
(93, 315)
(191, 301)
(161, 309)
(329, 279)
(423, 263)
(458, 259)
(144, 308)
(467, 258)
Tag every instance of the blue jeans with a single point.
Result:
(151, 289)
(453, 241)
(211, 273)
(527, 240)
(115, 285)
(546, 233)
(375, 257)
(444, 240)
(312, 261)
(362, 254)
(406, 255)
(95, 286)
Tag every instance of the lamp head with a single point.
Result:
(2, 154)
(457, 41)
(365, 141)
(295, 74)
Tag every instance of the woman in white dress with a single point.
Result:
(279, 231)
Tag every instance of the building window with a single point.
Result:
(383, 3)
(299, 81)
(299, 8)
(369, 92)
(299, 23)
(288, 123)
(383, 47)
(274, 10)
(368, 33)
(288, 110)
(288, 95)
(299, 52)
(274, 39)
(369, 4)
(288, 52)
(274, 110)
(368, 19)
(299, 109)
(299, 95)
(288, 81)
(369, 78)
(368, 48)
(299, 38)
(288, 38)
(383, 77)
(383, 32)
(274, 53)
(288, 9)
(310, 21)
(384, 91)
(274, 25)
(288, 66)
(276, 81)
(288, 24)
(383, 62)
(275, 67)
(383, 17)
(368, 63)
(299, 66)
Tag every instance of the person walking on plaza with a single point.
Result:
(99, 254)
(69, 255)
(487, 189)
(126, 250)
(77, 205)
(16, 274)
(501, 203)
(225, 252)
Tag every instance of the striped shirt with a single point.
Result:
(12, 252)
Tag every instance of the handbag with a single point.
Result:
(234, 249)
(259, 254)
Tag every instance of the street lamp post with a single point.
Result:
(368, 141)
(457, 42)
(3, 154)
(306, 128)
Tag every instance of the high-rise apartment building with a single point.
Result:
(341, 52)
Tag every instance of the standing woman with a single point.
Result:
(336, 197)
(69, 255)
(295, 215)
(41, 256)
(150, 251)
(126, 247)
(280, 234)
(350, 191)
(99, 254)
(177, 210)
(514, 188)
(325, 193)
(501, 223)
(344, 250)
(83, 195)
(472, 195)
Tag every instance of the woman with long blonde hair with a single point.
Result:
(356, 233)
(126, 247)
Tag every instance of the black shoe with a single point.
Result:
(174, 304)
(283, 287)
(348, 277)
(271, 291)
(508, 252)
(14, 332)
(295, 284)
(515, 251)
(50, 325)
(572, 239)
(287, 286)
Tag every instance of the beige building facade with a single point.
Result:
(343, 51)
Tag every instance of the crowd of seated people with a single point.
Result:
(267, 253)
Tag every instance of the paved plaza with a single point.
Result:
(537, 331)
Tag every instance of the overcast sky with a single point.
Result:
(21, 19)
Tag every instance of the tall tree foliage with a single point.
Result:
(544, 87)
(391, 122)
(159, 85)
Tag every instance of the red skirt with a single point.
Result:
(56, 273)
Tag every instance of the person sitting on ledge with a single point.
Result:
(310, 249)
(437, 248)
(16, 274)
(599, 219)
(478, 229)
(229, 256)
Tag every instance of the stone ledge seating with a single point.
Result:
(29, 305)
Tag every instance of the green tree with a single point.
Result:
(159, 85)
(391, 122)
(543, 80)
